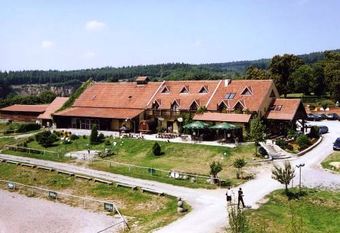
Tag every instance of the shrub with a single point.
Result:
(101, 137)
(239, 164)
(314, 132)
(215, 168)
(28, 127)
(292, 133)
(94, 135)
(74, 137)
(46, 138)
(156, 149)
(326, 103)
(303, 141)
(107, 142)
(281, 143)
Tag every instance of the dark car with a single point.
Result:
(332, 116)
(313, 117)
(323, 129)
(323, 116)
(336, 145)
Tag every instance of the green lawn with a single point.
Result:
(189, 158)
(334, 157)
(316, 212)
(143, 211)
(4, 140)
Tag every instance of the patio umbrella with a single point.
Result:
(224, 126)
(196, 125)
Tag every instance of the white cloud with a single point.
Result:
(46, 44)
(94, 25)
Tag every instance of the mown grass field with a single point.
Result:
(144, 211)
(334, 157)
(316, 212)
(189, 158)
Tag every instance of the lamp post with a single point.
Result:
(300, 166)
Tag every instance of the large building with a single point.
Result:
(143, 106)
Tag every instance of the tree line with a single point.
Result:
(292, 75)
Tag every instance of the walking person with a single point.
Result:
(240, 198)
(228, 195)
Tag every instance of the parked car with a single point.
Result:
(332, 116)
(323, 129)
(336, 145)
(313, 117)
(323, 116)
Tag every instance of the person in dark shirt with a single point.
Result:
(240, 198)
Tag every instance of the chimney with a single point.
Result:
(227, 82)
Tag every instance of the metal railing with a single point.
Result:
(70, 199)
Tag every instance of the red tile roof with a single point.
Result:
(117, 95)
(185, 99)
(53, 107)
(259, 90)
(112, 113)
(283, 109)
(39, 108)
(223, 117)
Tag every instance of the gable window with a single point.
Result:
(247, 91)
(272, 94)
(222, 107)
(230, 95)
(165, 90)
(174, 106)
(155, 105)
(184, 90)
(238, 107)
(194, 106)
(203, 89)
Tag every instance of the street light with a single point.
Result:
(300, 166)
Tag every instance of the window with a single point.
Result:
(203, 89)
(272, 94)
(165, 90)
(276, 107)
(194, 106)
(175, 106)
(222, 107)
(247, 91)
(184, 90)
(238, 107)
(230, 96)
(155, 105)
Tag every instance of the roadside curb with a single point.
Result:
(311, 147)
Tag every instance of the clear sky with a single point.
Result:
(72, 34)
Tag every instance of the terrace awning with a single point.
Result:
(196, 125)
(224, 126)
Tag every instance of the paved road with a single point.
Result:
(209, 212)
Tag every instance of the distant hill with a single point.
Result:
(171, 71)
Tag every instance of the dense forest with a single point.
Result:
(316, 73)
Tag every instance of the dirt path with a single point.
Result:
(208, 206)
(20, 214)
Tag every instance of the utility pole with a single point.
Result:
(300, 166)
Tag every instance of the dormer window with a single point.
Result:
(239, 106)
(222, 107)
(203, 90)
(184, 90)
(175, 106)
(165, 90)
(247, 91)
(155, 105)
(194, 106)
(272, 94)
(230, 95)
(276, 107)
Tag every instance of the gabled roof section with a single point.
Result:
(286, 109)
(260, 90)
(117, 95)
(195, 105)
(222, 117)
(224, 103)
(37, 108)
(240, 103)
(56, 104)
(186, 100)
